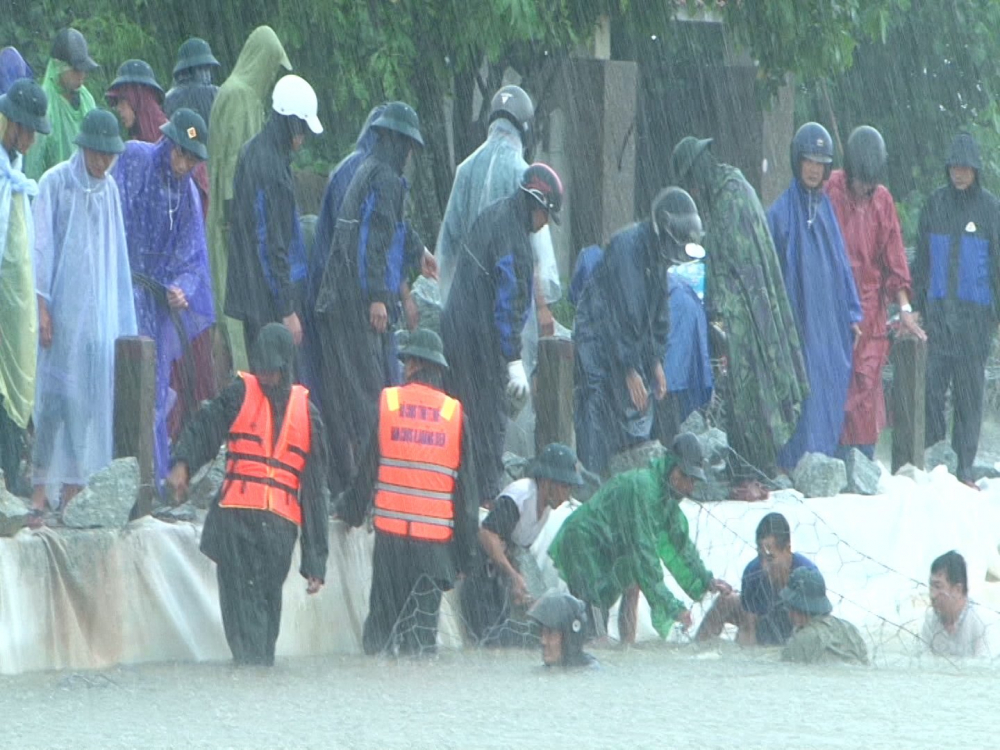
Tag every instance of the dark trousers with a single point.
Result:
(11, 447)
(250, 600)
(965, 373)
(403, 606)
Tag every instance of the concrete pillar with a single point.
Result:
(134, 411)
(909, 363)
(599, 102)
(554, 393)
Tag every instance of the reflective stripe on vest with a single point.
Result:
(262, 474)
(420, 440)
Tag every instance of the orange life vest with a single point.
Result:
(420, 449)
(262, 474)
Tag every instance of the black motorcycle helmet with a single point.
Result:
(567, 614)
(865, 155)
(512, 103)
(677, 224)
(812, 141)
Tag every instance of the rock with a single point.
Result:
(715, 445)
(107, 499)
(427, 296)
(818, 475)
(13, 511)
(862, 473)
(694, 423)
(205, 485)
(636, 457)
(941, 453)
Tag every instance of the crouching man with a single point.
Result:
(563, 619)
(818, 636)
(520, 512)
(614, 544)
(275, 484)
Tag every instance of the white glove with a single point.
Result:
(517, 385)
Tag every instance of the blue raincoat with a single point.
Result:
(167, 248)
(824, 302)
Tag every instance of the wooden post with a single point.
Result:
(909, 363)
(135, 406)
(554, 393)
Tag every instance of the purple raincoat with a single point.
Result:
(166, 248)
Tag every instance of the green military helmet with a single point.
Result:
(685, 154)
(422, 344)
(194, 53)
(137, 72)
(99, 132)
(187, 130)
(806, 592)
(71, 47)
(401, 118)
(558, 463)
(26, 104)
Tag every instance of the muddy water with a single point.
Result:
(651, 696)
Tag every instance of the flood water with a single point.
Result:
(653, 695)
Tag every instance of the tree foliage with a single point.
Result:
(922, 68)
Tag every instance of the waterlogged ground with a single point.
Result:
(652, 696)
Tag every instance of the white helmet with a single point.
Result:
(294, 96)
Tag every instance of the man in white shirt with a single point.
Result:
(954, 625)
(517, 518)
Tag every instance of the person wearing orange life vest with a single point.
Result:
(420, 483)
(275, 485)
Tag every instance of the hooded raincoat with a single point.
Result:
(238, 114)
(371, 251)
(622, 324)
(82, 274)
(145, 103)
(493, 171)
(18, 309)
(167, 248)
(766, 381)
(193, 89)
(956, 282)
(482, 323)
(65, 116)
(619, 538)
(12, 68)
(824, 301)
(874, 245)
(333, 198)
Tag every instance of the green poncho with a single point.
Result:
(619, 537)
(745, 290)
(238, 114)
(18, 308)
(58, 145)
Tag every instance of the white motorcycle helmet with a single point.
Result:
(294, 96)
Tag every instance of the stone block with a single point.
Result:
(862, 473)
(108, 498)
(636, 457)
(205, 485)
(715, 445)
(818, 475)
(941, 453)
(13, 511)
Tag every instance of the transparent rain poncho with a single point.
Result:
(493, 172)
(82, 272)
